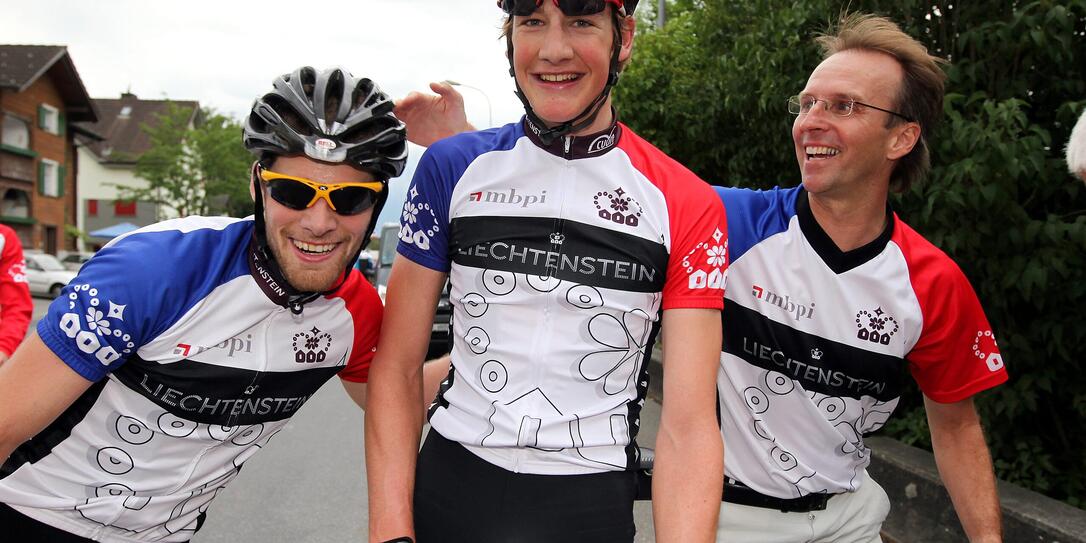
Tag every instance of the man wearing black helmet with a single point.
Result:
(569, 242)
(182, 348)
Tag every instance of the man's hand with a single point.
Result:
(430, 118)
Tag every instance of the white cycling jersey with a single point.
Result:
(561, 258)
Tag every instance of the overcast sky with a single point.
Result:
(225, 53)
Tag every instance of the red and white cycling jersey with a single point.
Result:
(561, 258)
(817, 342)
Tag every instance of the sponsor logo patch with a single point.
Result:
(704, 264)
(93, 329)
(618, 207)
(311, 347)
(876, 326)
(986, 349)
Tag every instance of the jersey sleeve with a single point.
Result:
(698, 262)
(16, 306)
(754, 215)
(956, 355)
(424, 223)
(366, 313)
(135, 288)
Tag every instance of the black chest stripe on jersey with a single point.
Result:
(60, 429)
(567, 250)
(817, 364)
(212, 394)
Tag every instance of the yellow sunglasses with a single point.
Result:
(301, 193)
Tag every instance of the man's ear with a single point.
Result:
(627, 31)
(906, 137)
(252, 181)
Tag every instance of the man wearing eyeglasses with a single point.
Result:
(569, 242)
(832, 296)
(182, 348)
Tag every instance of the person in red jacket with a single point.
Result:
(15, 304)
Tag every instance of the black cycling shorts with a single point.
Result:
(461, 497)
(24, 529)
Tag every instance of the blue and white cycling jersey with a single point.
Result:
(196, 362)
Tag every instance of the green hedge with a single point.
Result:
(710, 89)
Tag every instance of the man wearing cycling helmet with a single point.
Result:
(568, 241)
(183, 347)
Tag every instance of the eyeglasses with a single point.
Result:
(301, 193)
(803, 104)
(570, 8)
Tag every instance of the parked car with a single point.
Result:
(46, 274)
(441, 332)
(74, 261)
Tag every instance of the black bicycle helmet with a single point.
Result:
(330, 116)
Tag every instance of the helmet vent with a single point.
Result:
(287, 113)
(333, 91)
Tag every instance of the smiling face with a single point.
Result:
(562, 63)
(843, 155)
(314, 245)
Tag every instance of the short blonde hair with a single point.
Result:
(1076, 148)
(921, 94)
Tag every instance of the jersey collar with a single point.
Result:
(839, 261)
(575, 147)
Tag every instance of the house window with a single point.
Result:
(124, 209)
(125, 112)
(49, 178)
(16, 132)
(92, 208)
(49, 119)
(15, 203)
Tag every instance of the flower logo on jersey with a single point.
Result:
(986, 349)
(96, 321)
(419, 222)
(100, 327)
(624, 341)
(717, 255)
(714, 254)
(311, 347)
(876, 326)
(618, 207)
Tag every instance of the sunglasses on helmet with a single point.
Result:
(570, 8)
(300, 193)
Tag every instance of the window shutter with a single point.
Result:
(61, 124)
(41, 178)
(42, 114)
(60, 181)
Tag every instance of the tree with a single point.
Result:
(196, 170)
(710, 89)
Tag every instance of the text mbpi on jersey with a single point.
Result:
(511, 197)
(785, 303)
